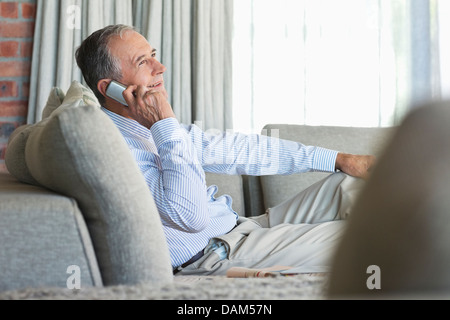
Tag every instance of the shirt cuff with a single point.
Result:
(325, 160)
(166, 130)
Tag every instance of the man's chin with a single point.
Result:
(161, 90)
(164, 92)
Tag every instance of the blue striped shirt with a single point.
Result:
(174, 158)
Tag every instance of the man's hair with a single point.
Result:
(95, 59)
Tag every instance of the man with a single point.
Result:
(204, 234)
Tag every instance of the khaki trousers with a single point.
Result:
(302, 231)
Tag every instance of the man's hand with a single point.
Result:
(146, 106)
(355, 165)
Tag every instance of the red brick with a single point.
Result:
(29, 10)
(15, 68)
(9, 49)
(25, 89)
(3, 150)
(26, 49)
(8, 89)
(9, 10)
(7, 128)
(13, 108)
(24, 29)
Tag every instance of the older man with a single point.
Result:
(204, 234)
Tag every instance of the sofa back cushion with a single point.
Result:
(77, 151)
(354, 140)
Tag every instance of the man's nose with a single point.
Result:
(158, 68)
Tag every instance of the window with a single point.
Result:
(343, 63)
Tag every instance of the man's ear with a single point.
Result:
(102, 85)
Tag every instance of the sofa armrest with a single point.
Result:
(42, 234)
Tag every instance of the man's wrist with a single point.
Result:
(339, 161)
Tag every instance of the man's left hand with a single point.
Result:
(358, 166)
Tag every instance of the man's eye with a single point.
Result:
(142, 62)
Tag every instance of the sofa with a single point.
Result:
(75, 209)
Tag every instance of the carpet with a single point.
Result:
(298, 287)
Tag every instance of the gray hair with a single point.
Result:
(95, 59)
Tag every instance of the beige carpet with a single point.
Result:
(299, 287)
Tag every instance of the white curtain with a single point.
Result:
(61, 25)
(193, 39)
(345, 63)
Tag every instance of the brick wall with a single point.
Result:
(16, 45)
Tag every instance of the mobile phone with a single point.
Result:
(115, 90)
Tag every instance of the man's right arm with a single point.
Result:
(174, 175)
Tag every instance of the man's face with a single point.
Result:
(138, 62)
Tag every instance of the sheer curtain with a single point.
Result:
(345, 63)
(193, 38)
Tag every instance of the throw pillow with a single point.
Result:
(15, 155)
(77, 95)
(55, 99)
(80, 153)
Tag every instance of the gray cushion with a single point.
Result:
(77, 95)
(401, 221)
(54, 100)
(354, 140)
(77, 151)
(15, 154)
(80, 153)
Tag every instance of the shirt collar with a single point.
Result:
(128, 125)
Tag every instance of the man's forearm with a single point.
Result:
(179, 185)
